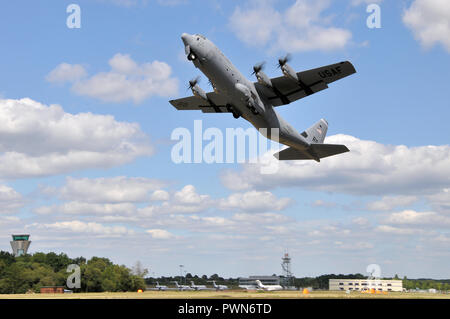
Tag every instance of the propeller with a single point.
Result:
(258, 67)
(284, 60)
(193, 82)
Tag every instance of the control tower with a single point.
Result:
(20, 244)
(286, 266)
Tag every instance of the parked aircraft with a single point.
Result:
(219, 287)
(198, 287)
(181, 287)
(249, 287)
(268, 287)
(160, 287)
(255, 101)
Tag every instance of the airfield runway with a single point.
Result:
(230, 294)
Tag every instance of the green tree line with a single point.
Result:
(424, 284)
(28, 273)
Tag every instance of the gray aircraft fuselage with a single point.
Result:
(229, 81)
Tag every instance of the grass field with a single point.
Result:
(236, 294)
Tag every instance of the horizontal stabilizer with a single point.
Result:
(291, 153)
(315, 152)
(325, 150)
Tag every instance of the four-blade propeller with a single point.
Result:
(193, 82)
(258, 67)
(282, 61)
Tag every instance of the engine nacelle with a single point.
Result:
(247, 97)
(263, 79)
(289, 72)
(244, 90)
(198, 91)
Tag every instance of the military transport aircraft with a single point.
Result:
(255, 101)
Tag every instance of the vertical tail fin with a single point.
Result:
(316, 133)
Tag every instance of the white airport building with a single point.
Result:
(365, 284)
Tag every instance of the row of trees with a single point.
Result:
(442, 285)
(28, 273)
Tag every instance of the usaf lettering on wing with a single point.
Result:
(330, 72)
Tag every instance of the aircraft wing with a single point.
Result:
(285, 90)
(216, 104)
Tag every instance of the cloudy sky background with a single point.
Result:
(85, 145)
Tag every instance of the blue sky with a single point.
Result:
(94, 177)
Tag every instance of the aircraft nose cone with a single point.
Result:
(185, 38)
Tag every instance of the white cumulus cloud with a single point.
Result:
(161, 195)
(10, 200)
(387, 203)
(189, 196)
(440, 201)
(91, 209)
(370, 168)
(80, 227)
(397, 230)
(254, 201)
(109, 189)
(160, 233)
(126, 81)
(66, 72)
(301, 27)
(41, 140)
(429, 22)
(411, 217)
